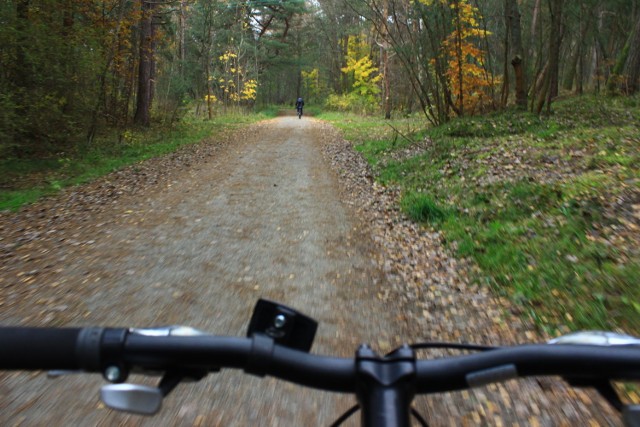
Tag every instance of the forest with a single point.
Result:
(75, 71)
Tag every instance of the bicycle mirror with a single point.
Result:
(284, 325)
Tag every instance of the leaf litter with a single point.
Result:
(438, 299)
(441, 302)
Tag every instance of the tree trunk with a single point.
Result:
(570, 74)
(557, 32)
(517, 52)
(575, 71)
(580, 72)
(344, 79)
(207, 72)
(632, 66)
(384, 58)
(21, 77)
(548, 91)
(504, 96)
(534, 26)
(100, 101)
(68, 17)
(521, 86)
(182, 45)
(459, 57)
(615, 79)
(602, 54)
(146, 66)
(299, 60)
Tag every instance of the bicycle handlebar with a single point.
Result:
(39, 348)
(95, 349)
(280, 338)
(570, 361)
(388, 382)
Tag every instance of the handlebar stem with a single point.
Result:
(385, 386)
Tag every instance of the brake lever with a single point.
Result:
(147, 400)
(631, 413)
(142, 399)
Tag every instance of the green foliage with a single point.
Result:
(69, 69)
(10, 124)
(364, 87)
(466, 78)
(269, 111)
(420, 207)
(313, 110)
(548, 230)
(352, 102)
(312, 84)
(50, 74)
(509, 122)
(361, 129)
(24, 181)
(13, 200)
(365, 83)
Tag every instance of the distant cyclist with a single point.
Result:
(299, 105)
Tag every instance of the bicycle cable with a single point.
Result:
(455, 346)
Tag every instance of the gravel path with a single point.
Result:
(262, 219)
(195, 238)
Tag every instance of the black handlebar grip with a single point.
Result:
(26, 348)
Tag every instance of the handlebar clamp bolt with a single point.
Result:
(112, 373)
(279, 321)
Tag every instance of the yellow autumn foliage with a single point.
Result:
(233, 84)
(467, 78)
(250, 90)
(360, 65)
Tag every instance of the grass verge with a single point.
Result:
(23, 181)
(548, 208)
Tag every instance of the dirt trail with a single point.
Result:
(262, 220)
(197, 237)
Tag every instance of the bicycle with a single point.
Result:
(278, 343)
(299, 111)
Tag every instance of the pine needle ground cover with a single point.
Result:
(547, 207)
